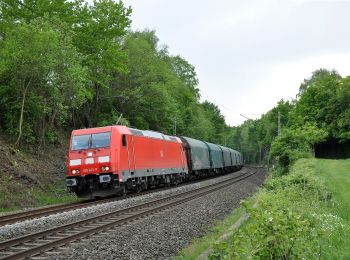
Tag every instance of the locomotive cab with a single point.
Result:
(91, 170)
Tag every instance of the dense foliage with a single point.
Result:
(68, 64)
(296, 216)
(321, 111)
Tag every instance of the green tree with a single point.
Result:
(255, 136)
(186, 73)
(317, 100)
(98, 33)
(220, 129)
(342, 110)
(39, 63)
(81, 68)
(296, 143)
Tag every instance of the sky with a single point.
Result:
(249, 54)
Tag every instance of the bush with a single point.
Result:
(296, 143)
(291, 220)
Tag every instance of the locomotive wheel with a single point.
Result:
(123, 191)
(175, 181)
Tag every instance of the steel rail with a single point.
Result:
(40, 242)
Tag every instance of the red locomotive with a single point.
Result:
(116, 159)
(112, 159)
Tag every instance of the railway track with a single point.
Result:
(49, 240)
(41, 212)
(37, 213)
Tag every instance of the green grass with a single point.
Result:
(55, 194)
(336, 174)
(15, 196)
(6, 210)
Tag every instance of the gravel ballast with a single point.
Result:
(59, 219)
(163, 235)
(156, 237)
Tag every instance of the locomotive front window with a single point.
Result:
(80, 142)
(100, 140)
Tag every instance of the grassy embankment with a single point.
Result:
(302, 215)
(15, 196)
(32, 177)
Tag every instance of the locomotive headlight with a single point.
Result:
(75, 171)
(107, 168)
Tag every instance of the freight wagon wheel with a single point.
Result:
(144, 186)
(138, 188)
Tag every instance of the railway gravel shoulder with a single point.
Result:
(43, 223)
(163, 235)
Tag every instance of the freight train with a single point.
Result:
(111, 160)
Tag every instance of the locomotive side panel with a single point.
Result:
(157, 156)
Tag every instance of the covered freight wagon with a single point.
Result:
(197, 153)
(234, 158)
(216, 158)
(226, 156)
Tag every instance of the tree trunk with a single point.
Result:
(47, 126)
(25, 88)
(97, 101)
(87, 120)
